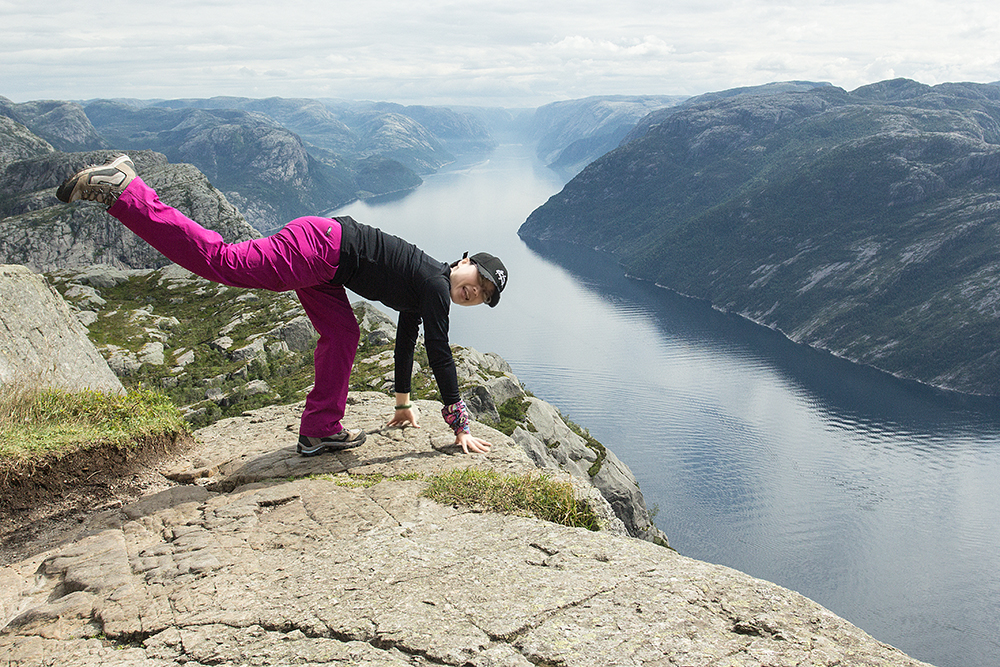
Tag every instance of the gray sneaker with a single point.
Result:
(102, 184)
(332, 443)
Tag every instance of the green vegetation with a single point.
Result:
(512, 414)
(532, 495)
(598, 448)
(39, 423)
(358, 481)
(189, 316)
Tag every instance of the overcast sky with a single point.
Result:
(518, 53)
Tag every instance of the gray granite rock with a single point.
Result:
(552, 444)
(41, 341)
(298, 334)
(265, 557)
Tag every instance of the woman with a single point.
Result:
(319, 258)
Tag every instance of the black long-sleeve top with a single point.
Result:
(385, 268)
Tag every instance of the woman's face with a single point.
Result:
(468, 286)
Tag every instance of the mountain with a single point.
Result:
(17, 143)
(421, 138)
(864, 223)
(573, 133)
(262, 167)
(457, 131)
(62, 124)
(42, 233)
(275, 158)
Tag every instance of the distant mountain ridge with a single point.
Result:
(573, 133)
(866, 223)
(269, 160)
(276, 159)
(42, 233)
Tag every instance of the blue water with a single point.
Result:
(875, 497)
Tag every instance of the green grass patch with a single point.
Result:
(365, 481)
(36, 423)
(536, 495)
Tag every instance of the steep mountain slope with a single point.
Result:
(458, 131)
(421, 138)
(17, 142)
(865, 223)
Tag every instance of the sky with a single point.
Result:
(514, 54)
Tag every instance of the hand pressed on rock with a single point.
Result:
(472, 444)
(403, 417)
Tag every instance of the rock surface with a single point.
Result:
(258, 556)
(42, 343)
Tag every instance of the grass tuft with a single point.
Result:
(365, 481)
(535, 495)
(36, 422)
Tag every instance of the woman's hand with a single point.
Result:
(471, 444)
(404, 416)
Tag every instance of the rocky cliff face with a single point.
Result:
(863, 223)
(17, 142)
(62, 124)
(42, 344)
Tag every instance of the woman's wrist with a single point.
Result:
(457, 416)
(405, 406)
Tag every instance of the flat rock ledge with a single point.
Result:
(257, 556)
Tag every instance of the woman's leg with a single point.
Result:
(303, 254)
(331, 314)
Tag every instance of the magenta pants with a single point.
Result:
(303, 257)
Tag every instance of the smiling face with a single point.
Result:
(468, 286)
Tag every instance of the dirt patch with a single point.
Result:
(44, 503)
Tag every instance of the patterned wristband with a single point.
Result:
(457, 416)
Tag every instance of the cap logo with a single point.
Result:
(501, 277)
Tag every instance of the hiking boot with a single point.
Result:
(332, 443)
(102, 184)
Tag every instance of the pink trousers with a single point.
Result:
(302, 257)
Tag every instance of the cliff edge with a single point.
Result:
(251, 554)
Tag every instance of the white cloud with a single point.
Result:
(515, 53)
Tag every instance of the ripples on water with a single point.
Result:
(877, 498)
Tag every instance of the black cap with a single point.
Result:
(493, 270)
